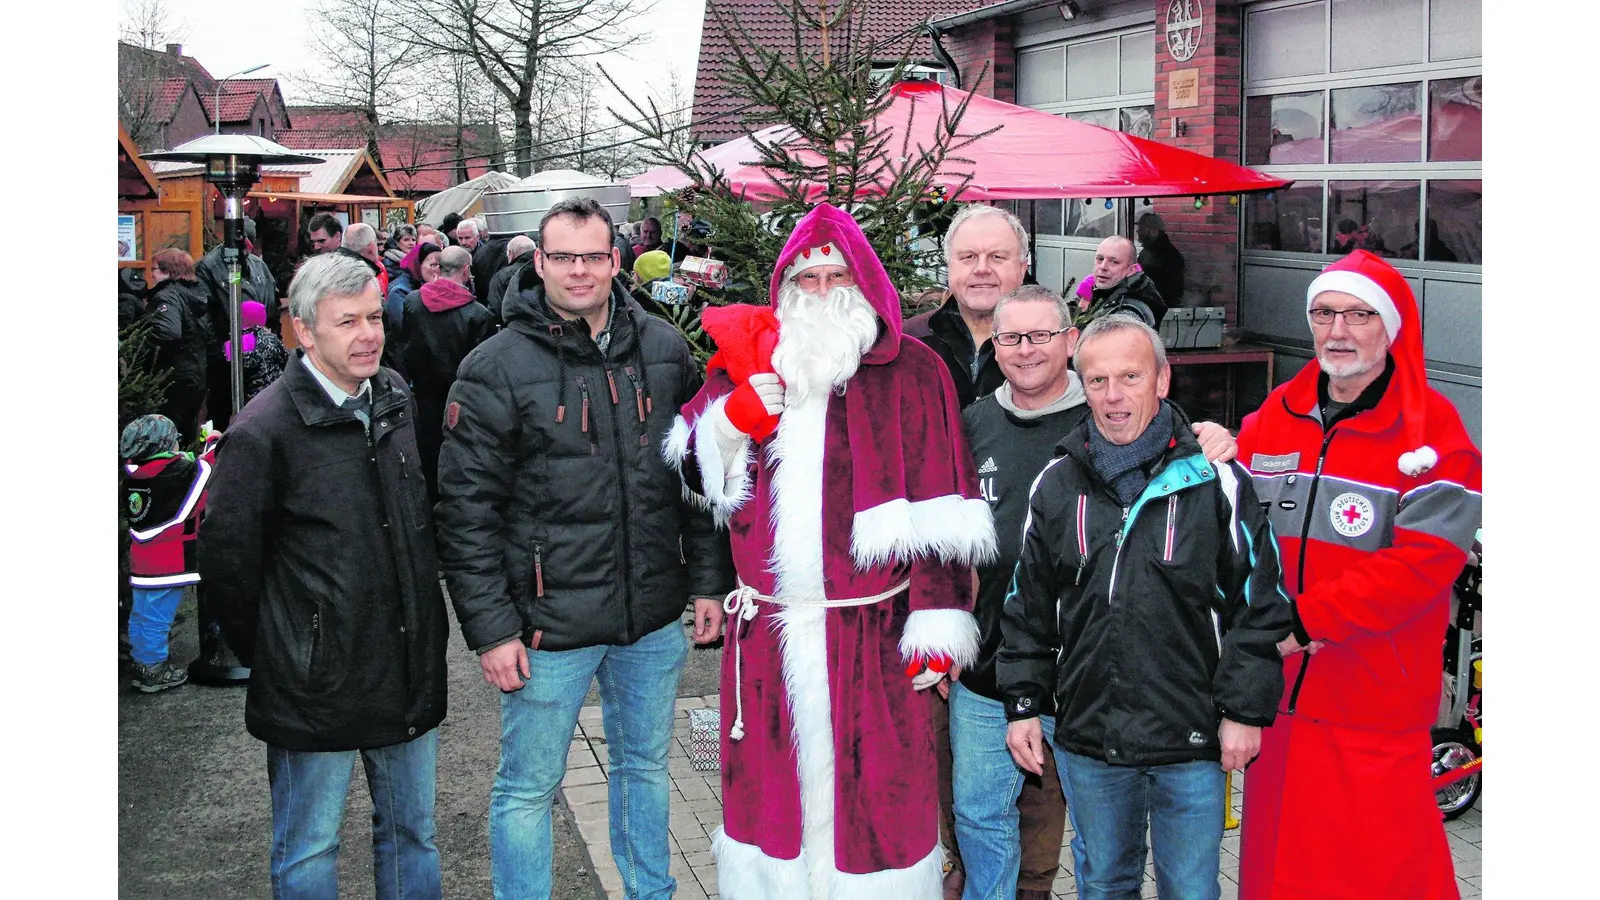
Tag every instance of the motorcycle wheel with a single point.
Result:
(1453, 748)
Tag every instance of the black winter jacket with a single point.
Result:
(488, 258)
(432, 345)
(1164, 264)
(255, 283)
(1149, 624)
(318, 551)
(176, 310)
(944, 331)
(1010, 452)
(558, 518)
(503, 281)
(1136, 294)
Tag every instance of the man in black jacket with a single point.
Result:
(1013, 433)
(1147, 603)
(255, 283)
(318, 551)
(1160, 259)
(519, 255)
(986, 252)
(1119, 289)
(569, 548)
(176, 308)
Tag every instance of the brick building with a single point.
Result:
(1373, 107)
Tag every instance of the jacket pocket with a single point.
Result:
(314, 651)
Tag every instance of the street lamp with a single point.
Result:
(216, 107)
(232, 163)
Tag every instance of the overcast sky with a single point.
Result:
(228, 37)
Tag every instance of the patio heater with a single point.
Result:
(233, 164)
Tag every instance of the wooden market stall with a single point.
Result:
(152, 213)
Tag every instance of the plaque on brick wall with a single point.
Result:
(1184, 23)
(1183, 89)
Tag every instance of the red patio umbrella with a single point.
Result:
(1034, 155)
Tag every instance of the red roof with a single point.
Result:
(890, 22)
(238, 97)
(168, 94)
(429, 152)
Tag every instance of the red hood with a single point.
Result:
(829, 224)
(443, 294)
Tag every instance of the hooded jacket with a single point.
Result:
(255, 283)
(1369, 551)
(1151, 623)
(318, 552)
(558, 519)
(503, 281)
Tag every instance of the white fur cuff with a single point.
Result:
(952, 528)
(941, 632)
(726, 480)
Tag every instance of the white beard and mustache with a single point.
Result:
(821, 339)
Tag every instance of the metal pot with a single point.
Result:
(518, 208)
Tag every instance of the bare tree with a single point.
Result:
(146, 27)
(361, 63)
(512, 42)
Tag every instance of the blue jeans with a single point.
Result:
(1182, 804)
(986, 784)
(638, 686)
(308, 796)
(150, 622)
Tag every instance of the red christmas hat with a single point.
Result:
(1370, 279)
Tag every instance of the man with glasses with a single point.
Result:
(569, 549)
(1374, 489)
(1009, 825)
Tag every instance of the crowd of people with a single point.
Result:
(976, 576)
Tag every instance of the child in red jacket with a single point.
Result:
(165, 496)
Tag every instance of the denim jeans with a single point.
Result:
(1182, 805)
(987, 783)
(638, 686)
(308, 797)
(150, 622)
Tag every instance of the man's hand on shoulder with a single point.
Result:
(503, 664)
(1240, 744)
(1216, 442)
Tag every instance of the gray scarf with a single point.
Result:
(1122, 466)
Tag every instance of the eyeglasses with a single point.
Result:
(1013, 338)
(1355, 318)
(567, 259)
(835, 279)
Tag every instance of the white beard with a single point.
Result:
(821, 339)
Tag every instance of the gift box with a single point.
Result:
(706, 272)
(705, 739)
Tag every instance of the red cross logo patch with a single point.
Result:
(1351, 514)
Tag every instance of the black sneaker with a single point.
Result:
(159, 677)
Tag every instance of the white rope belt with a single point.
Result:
(740, 605)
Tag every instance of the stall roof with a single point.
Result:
(337, 173)
(460, 198)
(135, 180)
(363, 199)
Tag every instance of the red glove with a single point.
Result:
(747, 412)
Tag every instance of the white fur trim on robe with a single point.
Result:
(745, 873)
(955, 529)
(941, 632)
(726, 482)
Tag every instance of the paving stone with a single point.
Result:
(582, 775)
(685, 704)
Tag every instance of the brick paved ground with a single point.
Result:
(696, 811)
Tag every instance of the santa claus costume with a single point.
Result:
(854, 527)
(1374, 512)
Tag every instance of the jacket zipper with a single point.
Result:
(583, 422)
(638, 392)
(538, 570)
(1116, 557)
(1300, 576)
(622, 491)
(316, 638)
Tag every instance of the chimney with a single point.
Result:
(175, 49)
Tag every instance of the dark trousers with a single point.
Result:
(1041, 808)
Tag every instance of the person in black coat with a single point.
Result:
(1160, 259)
(567, 542)
(442, 324)
(176, 308)
(255, 283)
(1119, 289)
(519, 253)
(318, 551)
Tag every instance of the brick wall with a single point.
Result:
(1208, 237)
(986, 43)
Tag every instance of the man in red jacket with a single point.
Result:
(1374, 489)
